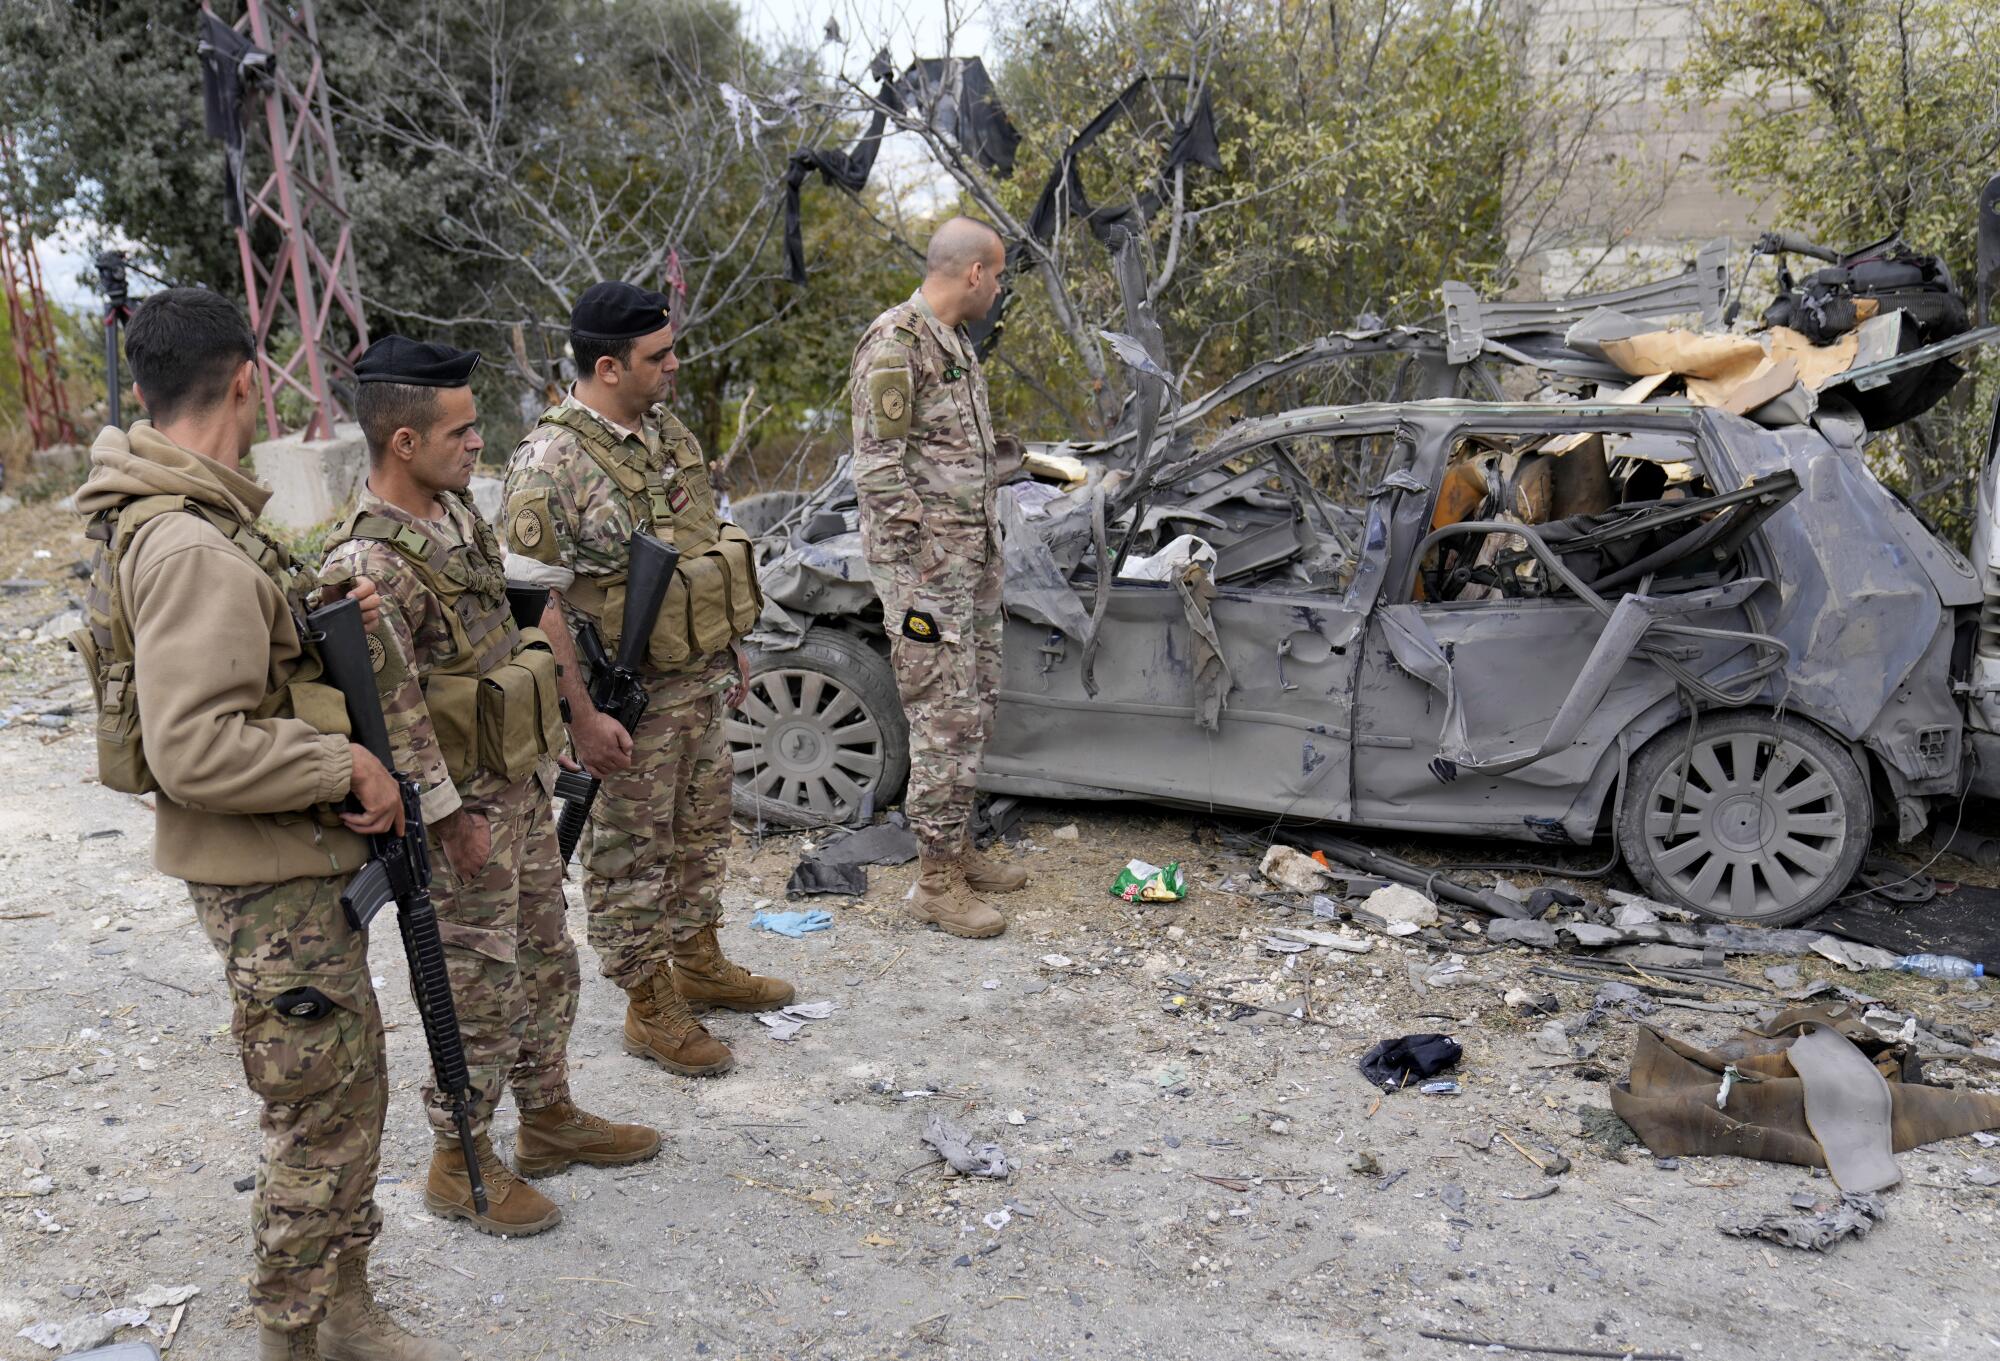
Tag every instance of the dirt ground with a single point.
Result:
(1189, 1180)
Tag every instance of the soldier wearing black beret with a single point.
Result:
(605, 461)
(467, 696)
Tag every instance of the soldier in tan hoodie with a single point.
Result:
(208, 699)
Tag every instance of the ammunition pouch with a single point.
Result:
(713, 600)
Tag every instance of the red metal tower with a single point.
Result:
(43, 398)
(298, 286)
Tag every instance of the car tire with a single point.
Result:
(821, 738)
(1773, 819)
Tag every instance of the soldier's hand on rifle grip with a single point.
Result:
(376, 790)
(602, 743)
(362, 592)
(467, 839)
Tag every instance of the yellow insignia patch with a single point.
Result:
(378, 656)
(527, 529)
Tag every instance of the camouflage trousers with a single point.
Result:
(310, 1038)
(659, 836)
(507, 949)
(948, 685)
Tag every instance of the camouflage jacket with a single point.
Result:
(582, 524)
(412, 635)
(924, 462)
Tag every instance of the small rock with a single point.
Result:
(1280, 1127)
(1066, 833)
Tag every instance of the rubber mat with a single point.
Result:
(1964, 921)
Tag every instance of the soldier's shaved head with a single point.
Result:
(961, 243)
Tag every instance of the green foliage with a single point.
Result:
(1867, 117)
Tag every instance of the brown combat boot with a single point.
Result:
(356, 1328)
(705, 977)
(514, 1209)
(302, 1345)
(986, 875)
(943, 897)
(556, 1135)
(659, 1026)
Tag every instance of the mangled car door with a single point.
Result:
(1223, 668)
(1552, 604)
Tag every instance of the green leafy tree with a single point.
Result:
(1867, 117)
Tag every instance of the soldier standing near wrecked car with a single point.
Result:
(925, 472)
(470, 701)
(209, 698)
(607, 461)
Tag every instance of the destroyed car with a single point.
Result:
(1723, 645)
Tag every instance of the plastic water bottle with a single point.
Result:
(1940, 966)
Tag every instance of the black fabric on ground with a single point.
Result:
(839, 867)
(1393, 1064)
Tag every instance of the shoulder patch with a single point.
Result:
(530, 532)
(906, 335)
(889, 402)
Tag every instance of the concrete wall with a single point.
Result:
(1647, 134)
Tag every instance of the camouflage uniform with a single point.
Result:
(512, 965)
(925, 473)
(323, 1081)
(659, 831)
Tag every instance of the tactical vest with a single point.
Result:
(492, 702)
(105, 640)
(714, 598)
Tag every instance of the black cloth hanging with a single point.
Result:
(228, 62)
(1192, 143)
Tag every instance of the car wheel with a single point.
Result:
(821, 736)
(1762, 819)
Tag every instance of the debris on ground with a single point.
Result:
(955, 1146)
(1391, 1064)
(793, 924)
(787, 1022)
(1293, 871)
(1862, 1091)
(1852, 1216)
(1401, 910)
(1145, 883)
(841, 865)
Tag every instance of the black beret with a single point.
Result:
(612, 311)
(419, 363)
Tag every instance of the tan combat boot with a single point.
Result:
(944, 897)
(302, 1345)
(556, 1135)
(705, 977)
(356, 1328)
(514, 1209)
(986, 875)
(659, 1026)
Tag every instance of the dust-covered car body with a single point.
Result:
(1345, 670)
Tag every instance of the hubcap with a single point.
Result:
(807, 741)
(1747, 826)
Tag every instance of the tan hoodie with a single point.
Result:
(212, 635)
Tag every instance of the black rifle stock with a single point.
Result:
(616, 684)
(527, 604)
(400, 871)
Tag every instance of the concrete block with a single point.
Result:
(487, 494)
(311, 481)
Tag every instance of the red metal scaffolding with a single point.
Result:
(43, 399)
(297, 286)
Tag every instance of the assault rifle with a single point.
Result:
(617, 686)
(400, 872)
